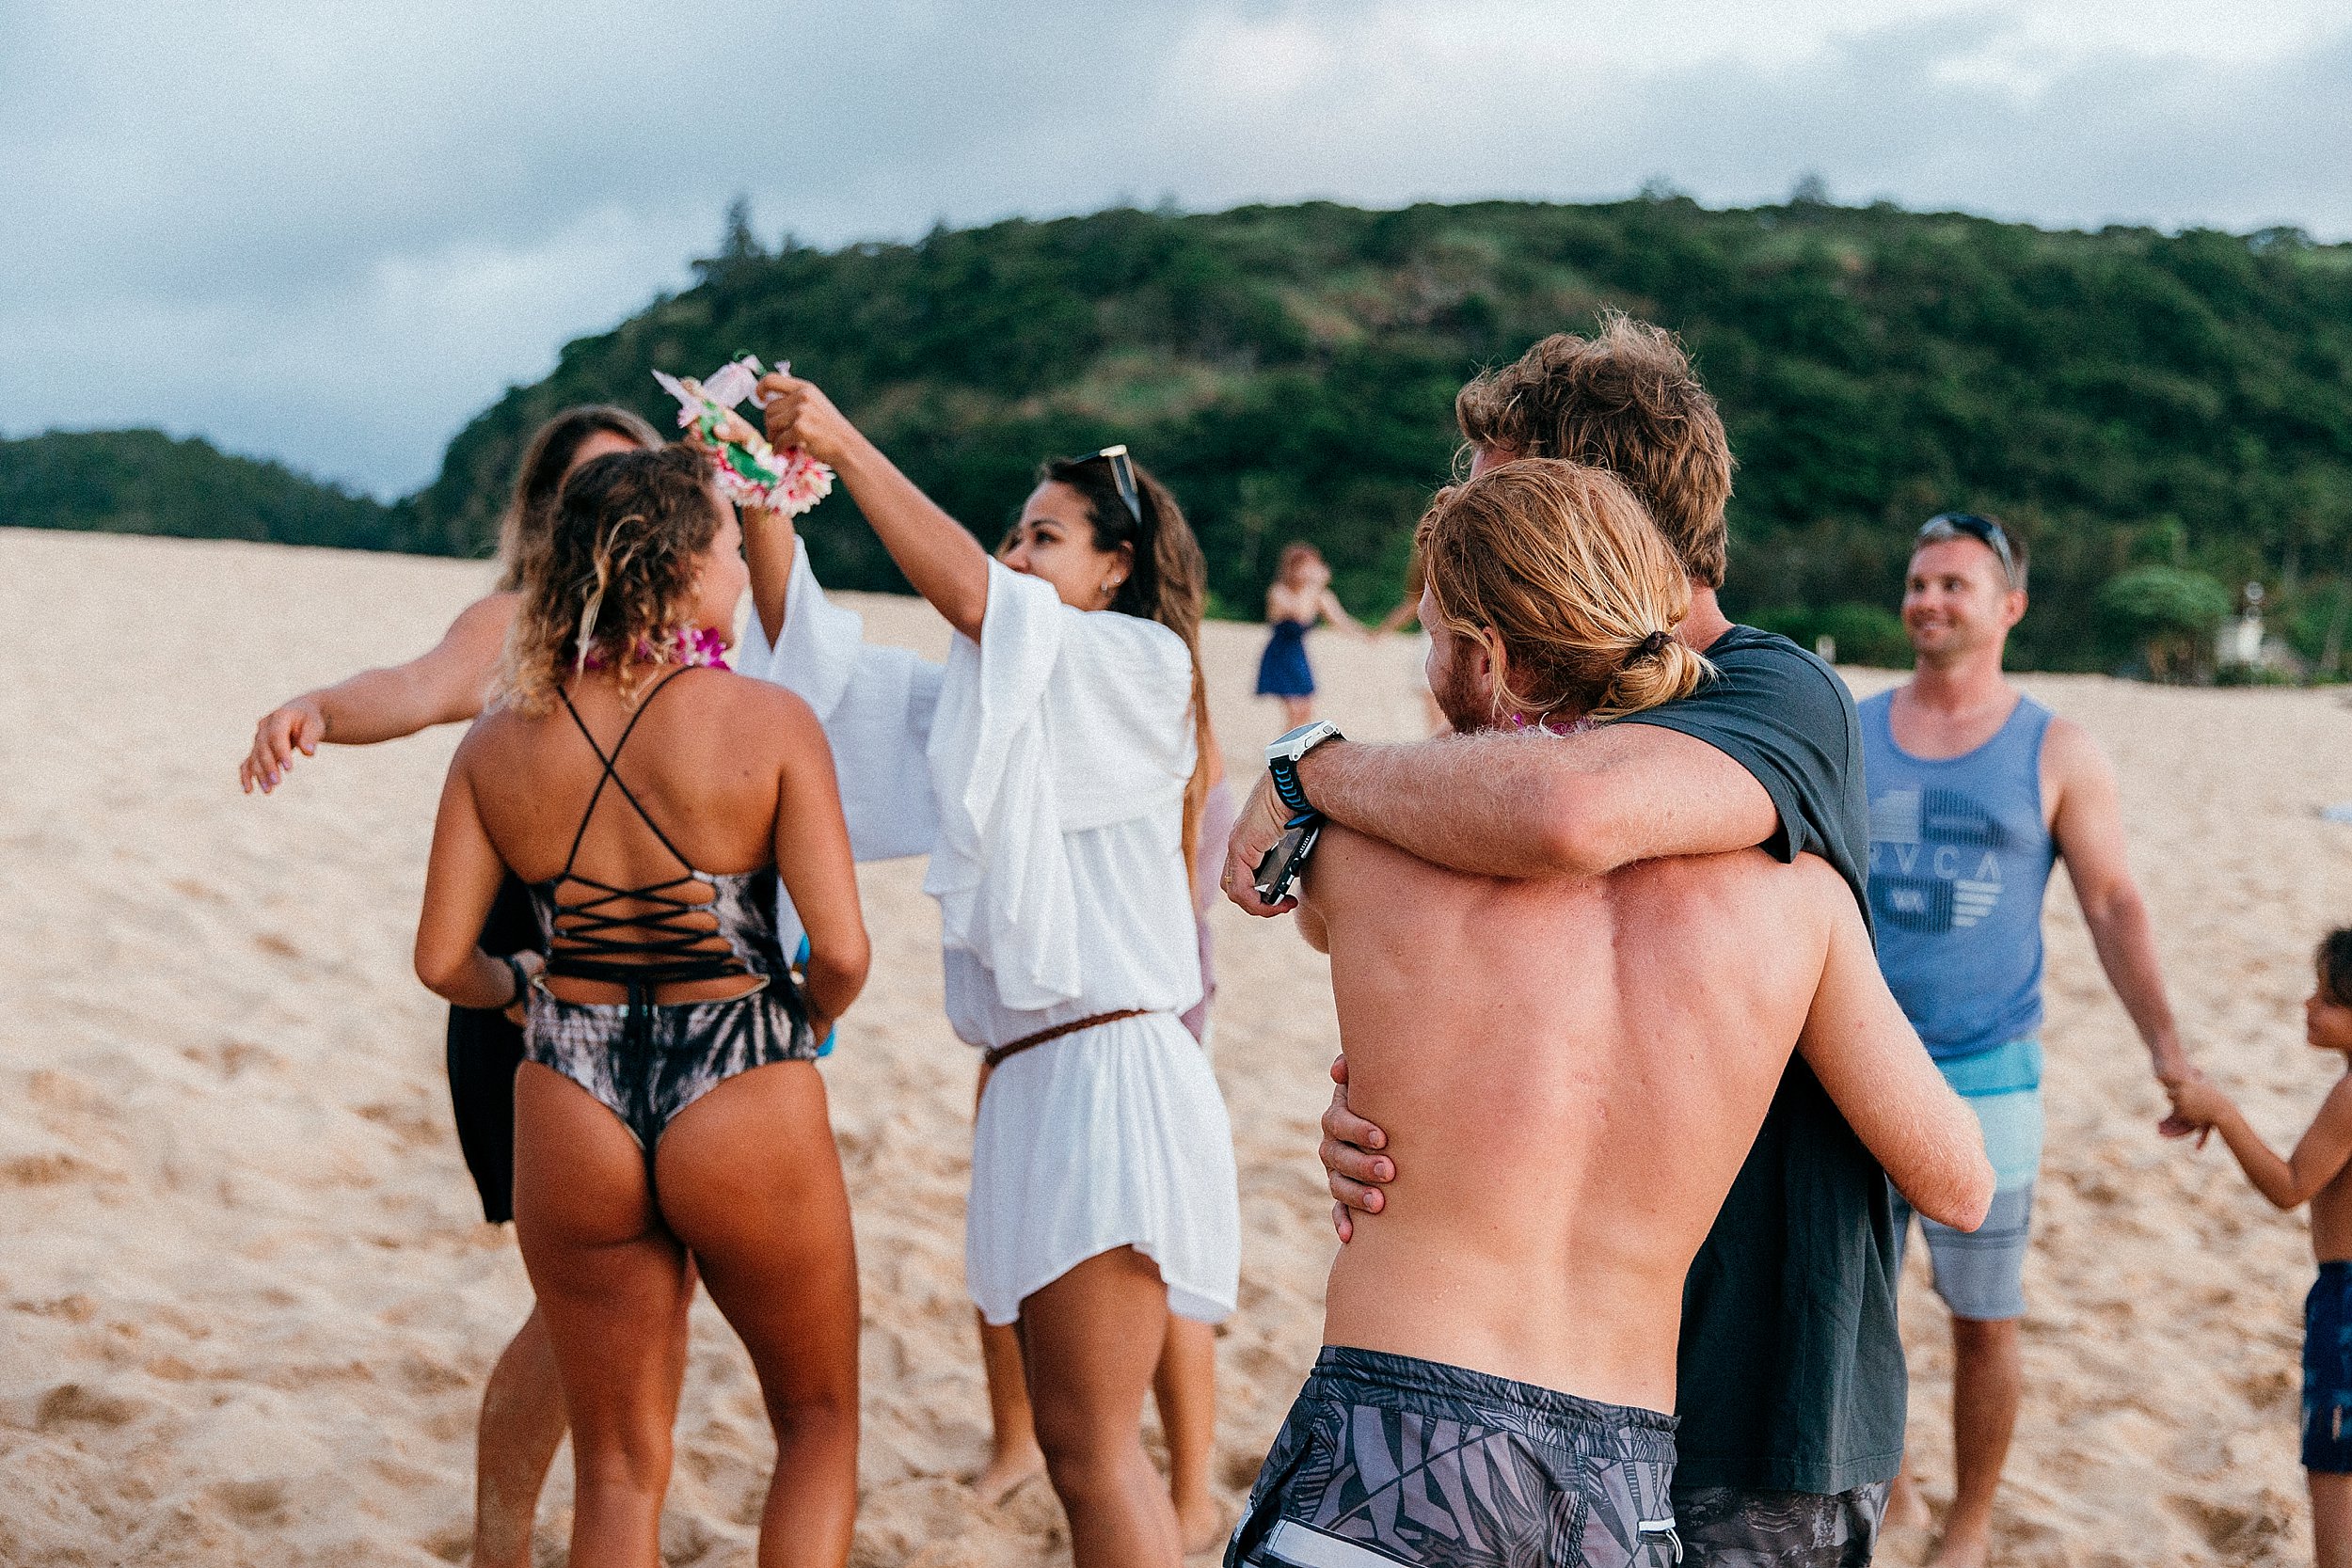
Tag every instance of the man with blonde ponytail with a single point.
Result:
(1570, 1069)
(1791, 1380)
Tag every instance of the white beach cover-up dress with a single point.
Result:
(1043, 769)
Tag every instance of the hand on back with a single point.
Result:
(1350, 1163)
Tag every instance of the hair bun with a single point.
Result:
(1652, 645)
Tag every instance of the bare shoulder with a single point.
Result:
(2070, 755)
(1747, 887)
(489, 617)
(1749, 869)
(748, 722)
(758, 698)
(1350, 866)
(1342, 855)
(2335, 1111)
(490, 741)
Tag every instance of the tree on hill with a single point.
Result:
(2169, 613)
(2123, 399)
(1291, 373)
(144, 482)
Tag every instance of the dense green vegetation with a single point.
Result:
(144, 482)
(2124, 399)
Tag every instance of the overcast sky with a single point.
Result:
(330, 234)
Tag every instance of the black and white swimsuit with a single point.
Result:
(647, 1060)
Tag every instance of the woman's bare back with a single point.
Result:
(708, 761)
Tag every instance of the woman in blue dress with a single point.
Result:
(1299, 596)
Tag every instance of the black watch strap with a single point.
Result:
(1284, 771)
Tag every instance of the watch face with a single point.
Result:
(1293, 744)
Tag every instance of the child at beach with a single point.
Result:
(2318, 1172)
(1299, 596)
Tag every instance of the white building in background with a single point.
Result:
(2241, 640)
(2242, 645)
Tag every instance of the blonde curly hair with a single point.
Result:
(615, 584)
(1558, 568)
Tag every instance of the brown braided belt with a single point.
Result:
(996, 1055)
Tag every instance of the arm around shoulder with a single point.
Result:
(1582, 805)
(1881, 1079)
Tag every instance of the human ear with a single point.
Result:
(1490, 663)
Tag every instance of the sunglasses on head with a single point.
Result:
(1122, 475)
(1967, 525)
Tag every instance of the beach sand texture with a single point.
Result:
(249, 1302)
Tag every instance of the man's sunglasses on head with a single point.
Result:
(1947, 525)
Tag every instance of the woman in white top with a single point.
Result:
(1054, 771)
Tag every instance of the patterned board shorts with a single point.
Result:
(1388, 1459)
(2327, 1371)
(1725, 1527)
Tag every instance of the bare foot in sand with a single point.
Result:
(1969, 1552)
(1200, 1523)
(1007, 1469)
(1905, 1507)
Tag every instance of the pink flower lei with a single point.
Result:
(696, 647)
(1548, 726)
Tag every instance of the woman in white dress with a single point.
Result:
(1054, 769)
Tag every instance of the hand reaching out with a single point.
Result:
(2197, 1104)
(800, 415)
(297, 726)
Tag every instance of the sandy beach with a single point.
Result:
(249, 1303)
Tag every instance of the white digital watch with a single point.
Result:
(1282, 754)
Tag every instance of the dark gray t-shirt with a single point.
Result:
(1792, 1370)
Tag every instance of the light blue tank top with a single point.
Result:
(1959, 858)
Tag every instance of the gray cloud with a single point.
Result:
(330, 234)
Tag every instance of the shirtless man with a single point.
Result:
(1501, 1339)
(1791, 1374)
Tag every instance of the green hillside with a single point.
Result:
(2126, 398)
(144, 482)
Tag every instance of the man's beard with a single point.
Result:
(1460, 704)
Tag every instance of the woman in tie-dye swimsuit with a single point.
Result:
(668, 1107)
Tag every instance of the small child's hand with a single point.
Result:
(2197, 1104)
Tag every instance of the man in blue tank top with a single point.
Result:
(1976, 791)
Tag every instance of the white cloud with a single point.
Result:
(331, 232)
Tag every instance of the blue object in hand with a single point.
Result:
(800, 961)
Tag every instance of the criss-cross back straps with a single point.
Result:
(612, 761)
(591, 929)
